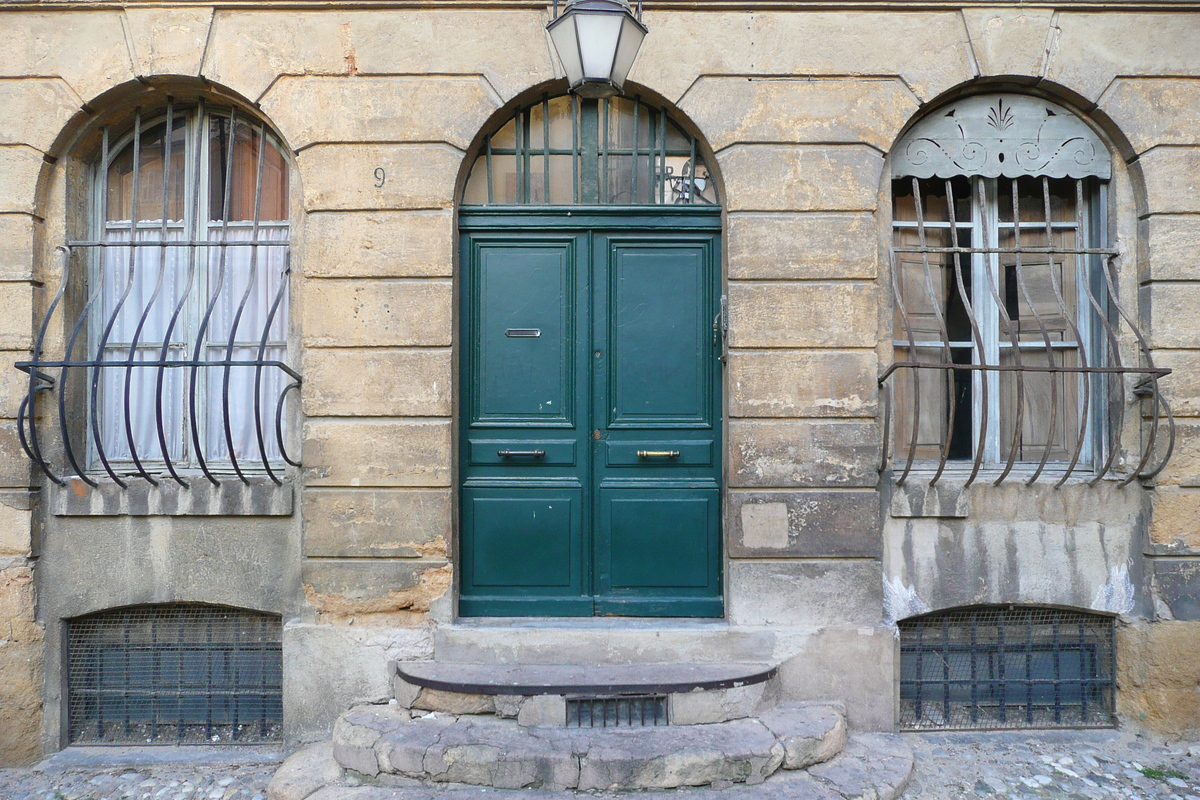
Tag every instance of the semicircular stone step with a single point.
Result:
(489, 751)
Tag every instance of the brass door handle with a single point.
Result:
(658, 453)
(530, 453)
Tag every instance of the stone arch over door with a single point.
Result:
(590, 358)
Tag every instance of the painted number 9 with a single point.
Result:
(380, 177)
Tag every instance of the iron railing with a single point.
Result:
(1102, 366)
(990, 667)
(174, 674)
(75, 341)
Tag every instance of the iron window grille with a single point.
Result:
(165, 340)
(569, 150)
(174, 674)
(1008, 330)
(617, 711)
(989, 667)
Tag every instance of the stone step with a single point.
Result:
(538, 694)
(487, 751)
(600, 641)
(872, 766)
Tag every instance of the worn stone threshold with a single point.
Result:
(579, 679)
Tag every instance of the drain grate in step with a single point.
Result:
(631, 711)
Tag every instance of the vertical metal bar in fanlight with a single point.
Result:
(1072, 322)
(692, 170)
(604, 123)
(1101, 314)
(1014, 343)
(1033, 308)
(168, 138)
(662, 139)
(526, 167)
(491, 192)
(637, 115)
(545, 149)
(237, 317)
(935, 302)
(27, 411)
(214, 294)
(112, 318)
(518, 157)
(576, 153)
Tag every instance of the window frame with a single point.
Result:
(197, 224)
(986, 228)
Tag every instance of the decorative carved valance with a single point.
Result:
(997, 135)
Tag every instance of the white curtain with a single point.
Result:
(262, 273)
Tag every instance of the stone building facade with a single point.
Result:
(379, 112)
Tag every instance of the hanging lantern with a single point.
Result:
(597, 41)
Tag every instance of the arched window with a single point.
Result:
(1007, 323)
(174, 304)
(574, 151)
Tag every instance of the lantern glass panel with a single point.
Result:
(598, 37)
(631, 40)
(566, 42)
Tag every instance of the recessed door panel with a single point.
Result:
(523, 539)
(657, 541)
(523, 312)
(659, 334)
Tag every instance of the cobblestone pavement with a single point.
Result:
(1077, 765)
(1020, 765)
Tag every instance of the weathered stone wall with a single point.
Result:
(799, 109)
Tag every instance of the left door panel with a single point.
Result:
(524, 453)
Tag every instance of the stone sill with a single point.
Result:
(261, 498)
(949, 498)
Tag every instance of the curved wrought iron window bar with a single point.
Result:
(170, 312)
(999, 283)
(568, 150)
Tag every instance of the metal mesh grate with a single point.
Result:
(637, 711)
(175, 674)
(1006, 667)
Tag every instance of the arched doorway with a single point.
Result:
(590, 410)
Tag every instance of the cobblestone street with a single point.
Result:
(1017, 765)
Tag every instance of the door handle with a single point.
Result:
(530, 453)
(658, 453)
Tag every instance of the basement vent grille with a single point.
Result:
(1006, 667)
(623, 711)
(175, 674)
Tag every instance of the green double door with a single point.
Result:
(590, 438)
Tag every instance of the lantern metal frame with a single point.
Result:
(593, 87)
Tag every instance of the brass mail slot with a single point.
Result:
(523, 333)
(658, 453)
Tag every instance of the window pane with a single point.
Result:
(274, 205)
(152, 157)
